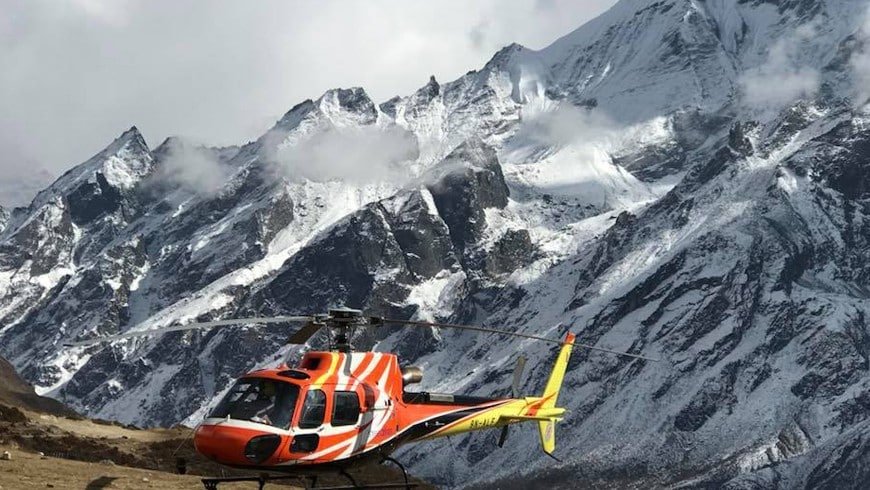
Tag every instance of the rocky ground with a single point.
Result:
(28, 470)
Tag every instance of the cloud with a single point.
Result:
(366, 154)
(860, 63)
(76, 74)
(477, 35)
(111, 12)
(545, 4)
(780, 80)
(17, 178)
(566, 125)
(193, 167)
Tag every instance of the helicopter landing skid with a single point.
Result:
(212, 483)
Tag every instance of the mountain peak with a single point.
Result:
(432, 86)
(121, 165)
(167, 143)
(512, 48)
(505, 56)
(130, 143)
(427, 92)
(354, 99)
(292, 118)
(348, 105)
(337, 107)
(132, 132)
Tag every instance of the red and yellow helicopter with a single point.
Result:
(340, 408)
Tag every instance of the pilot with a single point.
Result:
(264, 403)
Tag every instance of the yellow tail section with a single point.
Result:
(547, 428)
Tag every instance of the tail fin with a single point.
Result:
(547, 428)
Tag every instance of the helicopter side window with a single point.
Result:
(345, 408)
(313, 410)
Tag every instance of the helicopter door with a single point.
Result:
(311, 417)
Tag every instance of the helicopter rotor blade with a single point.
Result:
(503, 436)
(515, 392)
(190, 326)
(416, 323)
(306, 332)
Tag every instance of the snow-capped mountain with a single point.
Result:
(680, 178)
(4, 216)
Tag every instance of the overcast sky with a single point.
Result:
(77, 73)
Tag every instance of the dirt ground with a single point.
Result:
(83, 454)
(28, 470)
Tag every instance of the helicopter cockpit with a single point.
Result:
(260, 400)
(273, 402)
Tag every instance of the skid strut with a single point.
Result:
(401, 467)
(212, 483)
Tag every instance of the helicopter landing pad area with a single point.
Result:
(29, 470)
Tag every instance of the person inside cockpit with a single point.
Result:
(259, 400)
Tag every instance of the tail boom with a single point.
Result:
(541, 409)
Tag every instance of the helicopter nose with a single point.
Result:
(236, 446)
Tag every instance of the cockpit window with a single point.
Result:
(260, 400)
(313, 410)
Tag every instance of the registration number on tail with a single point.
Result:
(480, 423)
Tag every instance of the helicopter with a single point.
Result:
(340, 408)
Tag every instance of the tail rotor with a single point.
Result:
(515, 393)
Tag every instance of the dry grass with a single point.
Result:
(28, 470)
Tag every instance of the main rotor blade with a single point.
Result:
(511, 334)
(191, 326)
(303, 334)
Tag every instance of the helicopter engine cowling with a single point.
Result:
(411, 375)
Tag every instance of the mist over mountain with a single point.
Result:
(683, 179)
(20, 185)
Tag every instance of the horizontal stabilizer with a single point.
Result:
(524, 418)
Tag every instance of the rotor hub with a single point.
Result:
(343, 321)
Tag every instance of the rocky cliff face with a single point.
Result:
(627, 181)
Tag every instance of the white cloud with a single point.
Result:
(112, 12)
(780, 80)
(477, 35)
(367, 154)
(566, 125)
(860, 63)
(193, 167)
(75, 74)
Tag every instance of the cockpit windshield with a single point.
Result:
(260, 400)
